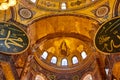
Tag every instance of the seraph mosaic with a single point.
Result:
(107, 38)
(13, 40)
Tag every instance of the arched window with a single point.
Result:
(64, 62)
(106, 70)
(34, 1)
(74, 60)
(39, 77)
(83, 54)
(54, 60)
(88, 77)
(44, 55)
(63, 6)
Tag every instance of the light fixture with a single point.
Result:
(5, 4)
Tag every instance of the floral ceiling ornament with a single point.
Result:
(5, 4)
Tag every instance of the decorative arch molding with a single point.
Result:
(63, 14)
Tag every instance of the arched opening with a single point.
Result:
(44, 55)
(88, 77)
(74, 60)
(54, 60)
(64, 62)
(83, 54)
(63, 6)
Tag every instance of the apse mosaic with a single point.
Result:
(107, 38)
(13, 40)
(62, 51)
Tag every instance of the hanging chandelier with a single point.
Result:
(5, 4)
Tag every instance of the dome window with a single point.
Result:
(83, 54)
(64, 62)
(33, 1)
(54, 60)
(74, 60)
(63, 6)
(44, 55)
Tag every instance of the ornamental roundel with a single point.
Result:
(25, 13)
(102, 11)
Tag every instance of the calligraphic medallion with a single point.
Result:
(107, 38)
(13, 40)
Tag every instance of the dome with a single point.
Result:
(62, 5)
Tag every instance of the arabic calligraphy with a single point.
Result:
(107, 38)
(13, 40)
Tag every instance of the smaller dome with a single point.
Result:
(62, 51)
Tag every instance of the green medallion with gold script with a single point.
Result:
(13, 40)
(107, 38)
